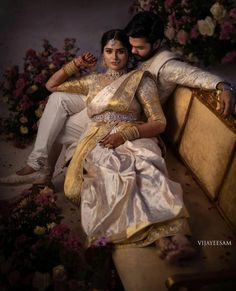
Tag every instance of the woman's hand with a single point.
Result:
(86, 60)
(112, 140)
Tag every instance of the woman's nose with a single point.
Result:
(115, 56)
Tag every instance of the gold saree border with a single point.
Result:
(74, 174)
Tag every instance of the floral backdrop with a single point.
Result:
(203, 31)
(39, 251)
(24, 91)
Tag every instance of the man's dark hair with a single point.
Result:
(146, 24)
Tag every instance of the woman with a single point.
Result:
(117, 171)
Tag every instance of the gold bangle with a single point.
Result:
(130, 133)
(70, 68)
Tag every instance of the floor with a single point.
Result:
(23, 24)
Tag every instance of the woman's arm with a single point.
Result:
(86, 60)
(148, 97)
(156, 122)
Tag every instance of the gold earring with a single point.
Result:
(104, 63)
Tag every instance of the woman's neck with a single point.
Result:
(115, 73)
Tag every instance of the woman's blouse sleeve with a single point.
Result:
(79, 86)
(147, 95)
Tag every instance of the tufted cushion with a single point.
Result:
(206, 147)
(176, 110)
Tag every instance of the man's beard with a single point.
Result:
(147, 57)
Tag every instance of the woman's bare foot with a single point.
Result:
(165, 245)
(25, 171)
(184, 249)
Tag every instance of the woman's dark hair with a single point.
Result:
(116, 34)
(146, 24)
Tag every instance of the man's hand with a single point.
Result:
(227, 103)
(86, 60)
(227, 99)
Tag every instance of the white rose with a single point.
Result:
(207, 26)
(192, 58)
(217, 11)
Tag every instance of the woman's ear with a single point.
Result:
(103, 62)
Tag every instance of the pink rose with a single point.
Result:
(226, 29)
(20, 84)
(229, 57)
(232, 13)
(25, 103)
(31, 53)
(170, 32)
(182, 37)
(172, 18)
(168, 4)
(59, 231)
(40, 79)
(194, 33)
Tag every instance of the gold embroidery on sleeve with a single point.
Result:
(148, 97)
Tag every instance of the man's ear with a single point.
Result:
(156, 44)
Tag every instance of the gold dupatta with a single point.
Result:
(119, 94)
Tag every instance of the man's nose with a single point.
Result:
(134, 50)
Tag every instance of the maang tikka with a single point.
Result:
(113, 39)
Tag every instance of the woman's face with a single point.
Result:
(115, 55)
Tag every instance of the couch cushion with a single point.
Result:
(206, 147)
(176, 110)
(227, 196)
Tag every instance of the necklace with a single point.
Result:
(112, 74)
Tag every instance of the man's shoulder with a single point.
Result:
(158, 60)
(166, 53)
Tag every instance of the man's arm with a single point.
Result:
(184, 74)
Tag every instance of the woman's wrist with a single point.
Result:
(70, 68)
(130, 133)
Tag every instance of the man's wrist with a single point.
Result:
(224, 86)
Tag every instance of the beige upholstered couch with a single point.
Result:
(206, 143)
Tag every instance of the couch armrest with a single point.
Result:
(205, 142)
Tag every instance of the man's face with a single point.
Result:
(141, 49)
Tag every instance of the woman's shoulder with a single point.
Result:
(88, 76)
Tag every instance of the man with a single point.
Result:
(146, 31)
(65, 119)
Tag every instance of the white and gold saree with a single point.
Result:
(125, 193)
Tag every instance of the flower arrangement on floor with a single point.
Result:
(25, 93)
(38, 251)
(203, 31)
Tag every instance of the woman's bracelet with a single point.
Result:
(130, 133)
(70, 68)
